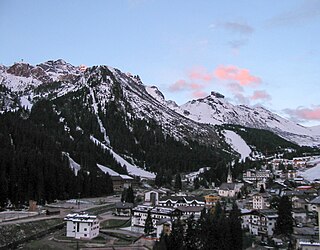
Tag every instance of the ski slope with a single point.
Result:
(237, 143)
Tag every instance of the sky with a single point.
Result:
(264, 52)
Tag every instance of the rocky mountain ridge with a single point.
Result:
(23, 84)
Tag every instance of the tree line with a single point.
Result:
(213, 230)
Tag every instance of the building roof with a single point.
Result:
(183, 198)
(270, 213)
(80, 217)
(121, 177)
(316, 201)
(163, 221)
(190, 209)
(227, 186)
(162, 210)
(305, 242)
(142, 208)
(126, 177)
(264, 195)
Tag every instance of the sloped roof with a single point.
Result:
(182, 198)
(316, 201)
(227, 186)
(190, 209)
(163, 221)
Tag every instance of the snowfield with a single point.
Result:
(73, 165)
(105, 170)
(132, 169)
(237, 143)
(311, 174)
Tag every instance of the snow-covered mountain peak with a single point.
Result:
(155, 93)
(214, 109)
(56, 78)
(57, 68)
(216, 94)
(20, 69)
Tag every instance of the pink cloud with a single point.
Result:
(200, 73)
(260, 95)
(198, 78)
(196, 86)
(179, 85)
(199, 94)
(308, 114)
(231, 77)
(182, 85)
(233, 73)
(301, 114)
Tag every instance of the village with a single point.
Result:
(256, 197)
(135, 204)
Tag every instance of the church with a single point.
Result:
(229, 188)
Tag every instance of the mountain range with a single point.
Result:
(96, 88)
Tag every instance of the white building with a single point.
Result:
(140, 213)
(260, 222)
(151, 197)
(82, 226)
(177, 201)
(306, 244)
(260, 201)
(254, 175)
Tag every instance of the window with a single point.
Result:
(85, 229)
(85, 235)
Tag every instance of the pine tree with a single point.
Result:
(218, 212)
(261, 189)
(235, 227)
(284, 224)
(191, 239)
(130, 195)
(178, 183)
(124, 195)
(148, 226)
(127, 195)
(176, 238)
(196, 183)
(159, 179)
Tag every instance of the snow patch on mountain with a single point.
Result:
(215, 109)
(56, 69)
(108, 170)
(18, 83)
(191, 176)
(25, 102)
(73, 165)
(311, 174)
(237, 143)
(95, 109)
(155, 93)
(132, 169)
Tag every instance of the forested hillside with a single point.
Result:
(262, 140)
(32, 165)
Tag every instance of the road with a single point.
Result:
(66, 207)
